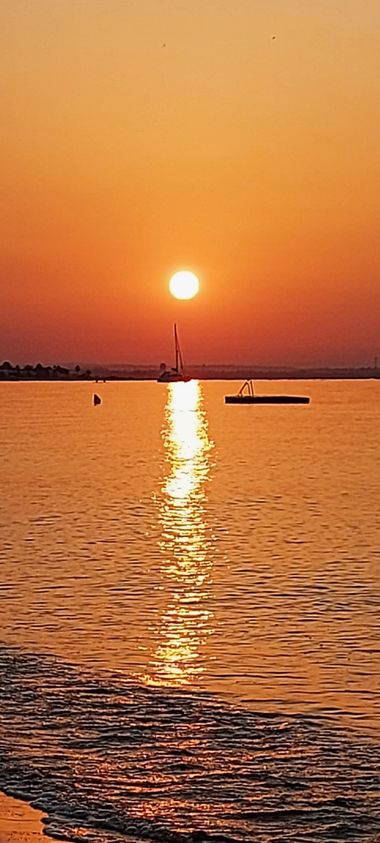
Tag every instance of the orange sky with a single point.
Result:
(144, 136)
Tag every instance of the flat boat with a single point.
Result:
(247, 395)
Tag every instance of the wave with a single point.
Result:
(109, 759)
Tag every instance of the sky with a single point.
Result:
(238, 139)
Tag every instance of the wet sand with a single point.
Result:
(19, 823)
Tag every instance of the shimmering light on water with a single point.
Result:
(249, 568)
(185, 542)
(189, 624)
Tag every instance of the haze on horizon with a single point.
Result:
(238, 140)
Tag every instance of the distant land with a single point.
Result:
(120, 371)
(39, 372)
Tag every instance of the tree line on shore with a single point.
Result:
(40, 372)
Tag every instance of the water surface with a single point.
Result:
(189, 618)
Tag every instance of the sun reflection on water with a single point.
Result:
(185, 540)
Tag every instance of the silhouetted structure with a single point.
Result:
(246, 395)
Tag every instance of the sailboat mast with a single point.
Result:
(178, 356)
(176, 346)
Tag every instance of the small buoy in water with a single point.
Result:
(96, 399)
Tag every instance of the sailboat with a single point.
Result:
(177, 373)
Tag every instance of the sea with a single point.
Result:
(190, 611)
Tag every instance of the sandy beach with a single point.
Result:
(19, 823)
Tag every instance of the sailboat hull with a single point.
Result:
(172, 377)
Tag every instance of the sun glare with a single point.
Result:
(184, 285)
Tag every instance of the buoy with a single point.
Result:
(96, 399)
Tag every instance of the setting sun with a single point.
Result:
(184, 285)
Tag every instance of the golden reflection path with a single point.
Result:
(185, 540)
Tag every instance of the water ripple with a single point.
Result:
(104, 757)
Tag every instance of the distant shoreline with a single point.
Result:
(199, 374)
(228, 371)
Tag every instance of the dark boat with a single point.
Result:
(177, 373)
(246, 395)
(96, 399)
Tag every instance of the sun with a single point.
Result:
(184, 284)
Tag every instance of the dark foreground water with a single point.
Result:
(105, 757)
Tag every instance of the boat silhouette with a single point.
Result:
(177, 373)
(247, 395)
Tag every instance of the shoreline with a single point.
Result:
(312, 375)
(20, 823)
